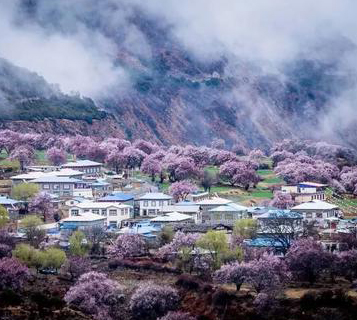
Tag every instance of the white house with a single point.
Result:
(115, 213)
(226, 214)
(82, 221)
(188, 208)
(306, 191)
(86, 166)
(152, 204)
(211, 203)
(172, 217)
(28, 177)
(317, 210)
(61, 186)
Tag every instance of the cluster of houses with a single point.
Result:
(87, 196)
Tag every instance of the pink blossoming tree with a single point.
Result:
(128, 245)
(56, 156)
(96, 295)
(181, 189)
(151, 301)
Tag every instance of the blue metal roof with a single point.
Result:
(8, 201)
(118, 196)
(263, 242)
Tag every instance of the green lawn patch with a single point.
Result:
(273, 180)
(262, 194)
(265, 172)
(212, 169)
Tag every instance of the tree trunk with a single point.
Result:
(238, 285)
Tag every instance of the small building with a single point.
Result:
(69, 173)
(62, 186)
(226, 214)
(82, 222)
(29, 177)
(306, 191)
(151, 204)
(118, 197)
(198, 196)
(86, 166)
(265, 243)
(144, 228)
(208, 204)
(188, 208)
(279, 221)
(101, 188)
(44, 168)
(172, 217)
(113, 213)
(12, 206)
(318, 210)
(75, 200)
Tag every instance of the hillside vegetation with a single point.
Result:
(25, 95)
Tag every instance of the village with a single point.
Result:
(84, 197)
(152, 226)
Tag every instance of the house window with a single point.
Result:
(151, 211)
(113, 224)
(104, 212)
(74, 212)
(46, 186)
(56, 186)
(308, 215)
(153, 203)
(66, 193)
(122, 211)
(86, 210)
(66, 186)
(126, 210)
(112, 212)
(95, 211)
(217, 216)
(229, 216)
(319, 215)
(146, 203)
(161, 203)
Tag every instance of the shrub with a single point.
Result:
(150, 301)
(25, 253)
(188, 282)
(5, 250)
(4, 216)
(96, 295)
(51, 258)
(54, 258)
(13, 274)
(77, 247)
(222, 297)
(5, 238)
(76, 266)
(34, 234)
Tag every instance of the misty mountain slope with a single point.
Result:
(175, 73)
(26, 96)
(176, 101)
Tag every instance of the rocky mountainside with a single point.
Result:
(174, 97)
